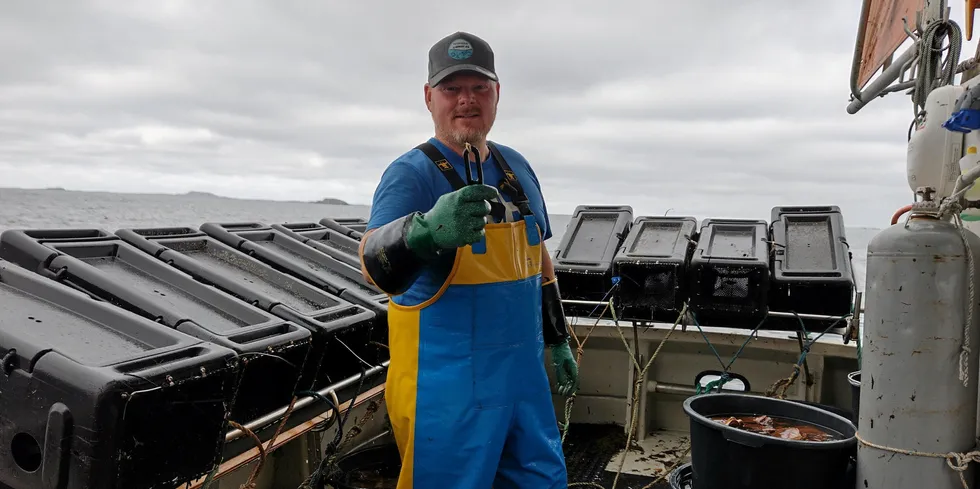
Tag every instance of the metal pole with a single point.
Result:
(584, 303)
(778, 314)
(789, 315)
(859, 49)
(876, 87)
(678, 389)
(270, 418)
(668, 388)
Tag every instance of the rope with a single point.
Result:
(579, 350)
(959, 462)
(253, 477)
(642, 371)
(965, 349)
(724, 367)
(930, 76)
(252, 480)
(638, 384)
(258, 444)
(785, 383)
(327, 463)
(245, 359)
(637, 389)
(710, 386)
(860, 334)
(952, 207)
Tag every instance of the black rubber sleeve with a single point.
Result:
(389, 262)
(553, 315)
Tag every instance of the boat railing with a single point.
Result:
(849, 332)
(270, 418)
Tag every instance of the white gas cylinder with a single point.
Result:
(934, 151)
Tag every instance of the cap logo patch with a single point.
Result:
(460, 49)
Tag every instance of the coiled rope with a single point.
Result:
(930, 73)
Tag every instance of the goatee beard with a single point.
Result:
(474, 137)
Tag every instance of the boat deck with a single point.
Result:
(593, 454)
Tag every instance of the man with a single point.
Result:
(472, 303)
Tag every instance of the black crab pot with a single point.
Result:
(274, 351)
(327, 317)
(95, 396)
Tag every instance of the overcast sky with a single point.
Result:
(720, 110)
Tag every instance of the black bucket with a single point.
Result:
(855, 379)
(724, 457)
(844, 413)
(680, 478)
(369, 468)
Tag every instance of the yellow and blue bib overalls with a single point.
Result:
(467, 392)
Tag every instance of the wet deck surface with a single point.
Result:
(592, 454)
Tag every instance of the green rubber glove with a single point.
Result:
(566, 370)
(457, 219)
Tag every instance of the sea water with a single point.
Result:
(21, 208)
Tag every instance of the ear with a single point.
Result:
(428, 96)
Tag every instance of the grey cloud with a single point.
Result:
(709, 108)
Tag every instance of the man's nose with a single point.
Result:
(467, 95)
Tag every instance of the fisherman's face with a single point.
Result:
(463, 107)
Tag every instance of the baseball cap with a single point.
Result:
(458, 52)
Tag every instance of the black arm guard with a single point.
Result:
(390, 263)
(552, 315)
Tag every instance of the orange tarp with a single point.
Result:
(885, 33)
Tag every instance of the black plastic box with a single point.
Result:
(584, 258)
(212, 262)
(94, 396)
(730, 273)
(288, 255)
(811, 261)
(354, 227)
(116, 272)
(326, 240)
(652, 268)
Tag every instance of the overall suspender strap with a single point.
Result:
(511, 185)
(496, 209)
(442, 164)
(518, 192)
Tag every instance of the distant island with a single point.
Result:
(327, 200)
(331, 202)
(191, 193)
